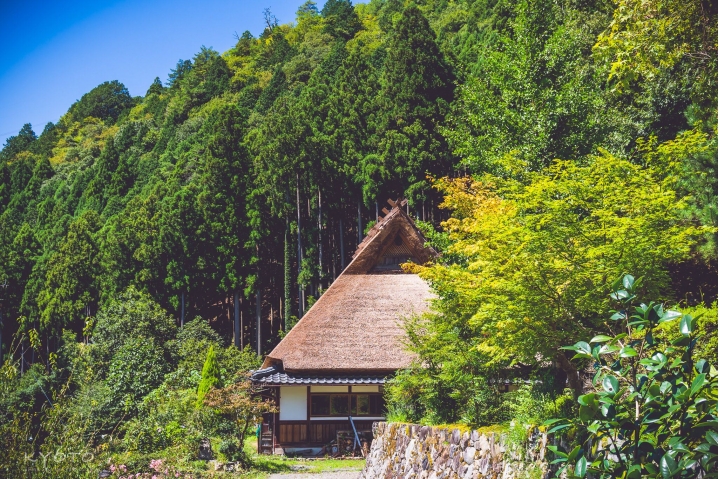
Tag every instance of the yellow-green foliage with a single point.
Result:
(539, 255)
(646, 37)
(707, 331)
(210, 376)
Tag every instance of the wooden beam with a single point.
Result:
(391, 202)
(385, 210)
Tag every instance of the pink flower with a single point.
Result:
(112, 468)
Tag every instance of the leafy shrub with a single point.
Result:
(210, 376)
(654, 410)
(230, 449)
(166, 418)
(136, 368)
(240, 404)
(132, 315)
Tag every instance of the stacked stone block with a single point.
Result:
(424, 452)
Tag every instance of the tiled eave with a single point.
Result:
(272, 377)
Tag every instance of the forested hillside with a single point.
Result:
(247, 178)
(253, 172)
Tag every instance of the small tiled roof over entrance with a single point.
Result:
(274, 377)
(355, 328)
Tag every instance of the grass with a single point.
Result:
(264, 465)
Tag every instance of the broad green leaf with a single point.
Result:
(667, 466)
(697, 384)
(558, 428)
(704, 447)
(581, 467)
(634, 472)
(680, 447)
(620, 295)
(687, 325)
(653, 391)
(600, 338)
(574, 453)
(628, 352)
(628, 281)
(712, 437)
(607, 410)
(611, 384)
(712, 424)
(669, 316)
(608, 348)
(587, 413)
(659, 357)
(702, 366)
(584, 347)
(557, 451)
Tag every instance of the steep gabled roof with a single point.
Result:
(396, 236)
(355, 326)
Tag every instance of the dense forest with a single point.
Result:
(238, 189)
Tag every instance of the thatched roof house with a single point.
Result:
(333, 363)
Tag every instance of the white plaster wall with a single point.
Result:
(293, 403)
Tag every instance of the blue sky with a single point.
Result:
(54, 52)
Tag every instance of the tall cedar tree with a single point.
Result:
(417, 85)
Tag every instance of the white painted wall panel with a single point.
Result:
(293, 403)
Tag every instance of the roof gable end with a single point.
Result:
(394, 239)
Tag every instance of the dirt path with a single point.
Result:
(318, 475)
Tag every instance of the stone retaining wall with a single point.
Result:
(425, 452)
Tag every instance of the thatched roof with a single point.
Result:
(394, 236)
(355, 326)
